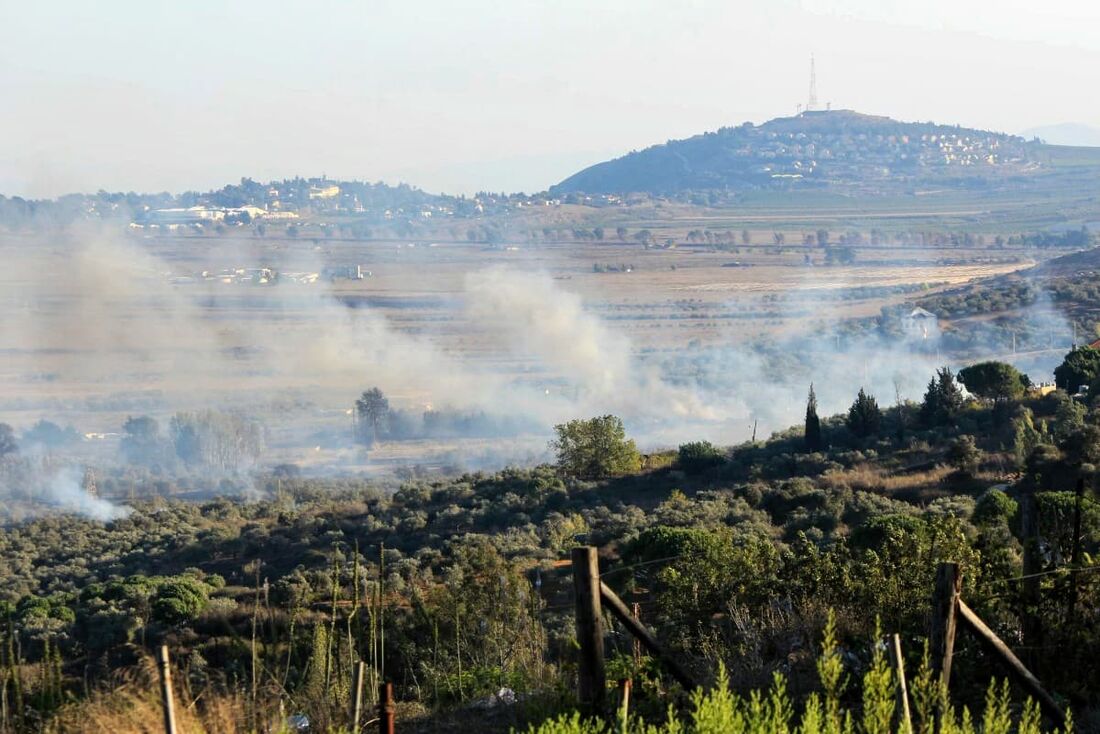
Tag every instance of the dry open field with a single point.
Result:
(107, 331)
(668, 293)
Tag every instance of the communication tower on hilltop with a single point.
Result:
(811, 103)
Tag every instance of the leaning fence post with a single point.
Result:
(945, 607)
(357, 695)
(618, 609)
(903, 690)
(1012, 663)
(166, 691)
(385, 709)
(591, 678)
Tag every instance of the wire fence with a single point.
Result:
(1060, 571)
(643, 564)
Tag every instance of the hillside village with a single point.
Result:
(819, 147)
(296, 198)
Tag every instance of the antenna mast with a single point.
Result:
(811, 103)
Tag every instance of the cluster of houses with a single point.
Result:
(786, 152)
(245, 276)
(270, 276)
(291, 200)
(201, 215)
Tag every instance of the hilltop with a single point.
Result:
(827, 149)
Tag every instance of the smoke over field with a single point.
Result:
(101, 326)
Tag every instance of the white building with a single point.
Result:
(192, 215)
(920, 325)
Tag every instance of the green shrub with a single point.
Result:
(699, 455)
(595, 448)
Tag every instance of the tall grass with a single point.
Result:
(132, 705)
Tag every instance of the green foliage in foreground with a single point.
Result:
(721, 711)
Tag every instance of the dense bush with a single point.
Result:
(595, 448)
(699, 455)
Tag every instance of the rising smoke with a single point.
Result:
(97, 331)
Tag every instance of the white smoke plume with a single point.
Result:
(36, 485)
(95, 314)
(64, 491)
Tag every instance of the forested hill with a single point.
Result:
(815, 149)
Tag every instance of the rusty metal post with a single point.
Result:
(385, 709)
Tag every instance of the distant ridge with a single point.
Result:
(1066, 133)
(814, 149)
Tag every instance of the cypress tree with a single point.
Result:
(943, 400)
(813, 423)
(864, 417)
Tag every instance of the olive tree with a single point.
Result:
(595, 448)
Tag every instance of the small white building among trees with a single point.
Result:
(921, 325)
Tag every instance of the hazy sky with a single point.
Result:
(488, 94)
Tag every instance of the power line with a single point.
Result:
(1062, 570)
(643, 563)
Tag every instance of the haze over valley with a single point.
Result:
(649, 368)
(699, 309)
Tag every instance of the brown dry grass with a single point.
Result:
(132, 706)
(872, 478)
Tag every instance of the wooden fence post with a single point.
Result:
(1075, 553)
(636, 647)
(945, 607)
(903, 689)
(1000, 650)
(166, 691)
(1030, 625)
(385, 709)
(591, 678)
(617, 608)
(357, 677)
